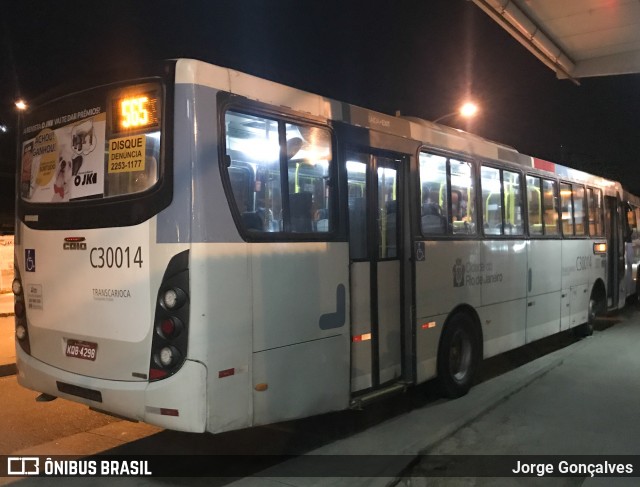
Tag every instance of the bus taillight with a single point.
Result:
(170, 327)
(169, 343)
(21, 330)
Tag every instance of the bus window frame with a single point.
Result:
(527, 202)
(600, 216)
(558, 235)
(523, 200)
(585, 210)
(236, 103)
(417, 203)
(573, 236)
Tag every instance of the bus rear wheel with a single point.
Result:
(458, 356)
(595, 309)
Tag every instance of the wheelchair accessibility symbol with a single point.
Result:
(30, 260)
(419, 251)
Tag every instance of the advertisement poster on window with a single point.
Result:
(63, 157)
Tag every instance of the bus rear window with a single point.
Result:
(98, 143)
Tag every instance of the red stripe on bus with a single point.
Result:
(226, 373)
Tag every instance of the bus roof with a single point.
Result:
(429, 133)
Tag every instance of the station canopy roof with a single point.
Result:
(575, 38)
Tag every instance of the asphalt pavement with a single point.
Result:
(581, 399)
(7, 343)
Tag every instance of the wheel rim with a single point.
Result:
(460, 355)
(592, 310)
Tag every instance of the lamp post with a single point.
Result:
(466, 110)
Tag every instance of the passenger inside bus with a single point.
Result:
(433, 221)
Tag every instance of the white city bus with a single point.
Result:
(205, 250)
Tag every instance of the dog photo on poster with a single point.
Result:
(65, 162)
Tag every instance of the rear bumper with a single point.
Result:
(184, 392)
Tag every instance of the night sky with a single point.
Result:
(419, 57)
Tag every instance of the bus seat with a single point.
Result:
(432, 224)
(300, 207)
(321, 222)
(535, 229)
(252, 221)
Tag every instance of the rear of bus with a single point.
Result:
(102, 312)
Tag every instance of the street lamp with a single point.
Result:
(466, 110)
(21, 105)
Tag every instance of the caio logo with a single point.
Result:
(74, 243)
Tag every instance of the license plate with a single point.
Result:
(81, 349)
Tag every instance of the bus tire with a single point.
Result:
(595, 309)
(458, 356)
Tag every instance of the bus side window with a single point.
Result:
(268, 200)
(550, 206)
(433, 183)
(512, 196)
(463, 219)
(566, 207)
(579, 214)
(595, 211)
(357, 184)
(491, 200)
(309, 160)
(534, 206)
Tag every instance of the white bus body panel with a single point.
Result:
(303, 379)
(361, 353)
(260, 322)
(442, 278)
(544, 299)
(108, 298)
(389, 320)
(221, 330)
(502, 280)
(296, 287)
(580, 269)
(189, 71)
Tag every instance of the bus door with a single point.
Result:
(375, 268)
(615, 251)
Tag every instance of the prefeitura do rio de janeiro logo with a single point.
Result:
(458, 273)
